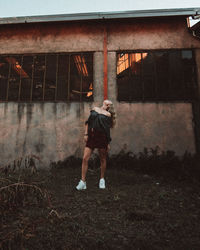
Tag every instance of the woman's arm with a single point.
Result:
(86, 133)
(86, 129)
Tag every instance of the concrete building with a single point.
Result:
(53, 69)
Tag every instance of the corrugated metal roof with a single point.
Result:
(102, 15)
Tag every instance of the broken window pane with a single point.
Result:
(136, 85)
(47, 77)
(14, 77)
(148, 76)
(26, 78)
(38, 77)
(81, 77)
(50, 77)
(189, 73)
(162, 74)
(156, 76)
(123, 77)
(176, 76)
(62, 77)
(76, 74)
(88, 79)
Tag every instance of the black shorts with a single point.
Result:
(96, 139)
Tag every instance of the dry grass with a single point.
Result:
(137, 210)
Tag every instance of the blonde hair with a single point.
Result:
(113, 114)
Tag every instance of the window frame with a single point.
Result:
(157, 99)
(45, 55)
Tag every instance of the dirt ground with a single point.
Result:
(135, 211)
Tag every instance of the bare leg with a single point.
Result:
(86, 157)
(103, 154)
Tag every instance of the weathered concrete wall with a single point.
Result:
(147, 34)
(48, 130)
(196, 104)
(45, 38)
(167, 125)
(53, 131)
(150, 33)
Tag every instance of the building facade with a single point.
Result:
(53, 70)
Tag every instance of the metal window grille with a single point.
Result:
(46, 77)
(158, 76)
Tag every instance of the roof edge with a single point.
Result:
(102, 15)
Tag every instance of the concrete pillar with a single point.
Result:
(112, 85)
(98, 78)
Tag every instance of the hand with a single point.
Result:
(85, 138)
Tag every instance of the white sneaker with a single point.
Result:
(102, 183)
(81, 185)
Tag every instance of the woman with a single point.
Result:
(97, 135)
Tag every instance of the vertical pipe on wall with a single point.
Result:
(81, 85)
(33, 68)
(8, 83)
(68, 86)
(56, 77)
(20, 80)
(44, 78)
(105, 67)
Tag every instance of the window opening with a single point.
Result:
(46, 77)
(167, 75)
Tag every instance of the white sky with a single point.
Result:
(10, 8)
